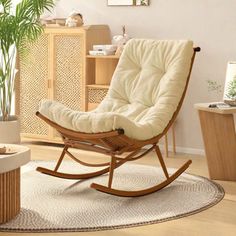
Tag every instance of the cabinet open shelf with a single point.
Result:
(99, 74)
(100, 69)
(98, 86)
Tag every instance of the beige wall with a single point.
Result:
(210, 23)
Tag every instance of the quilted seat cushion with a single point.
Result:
(145, 91)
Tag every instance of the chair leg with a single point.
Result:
(61, 158)
(111, 170)
(166, 145)
(163, 165)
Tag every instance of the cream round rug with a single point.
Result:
(51, 204)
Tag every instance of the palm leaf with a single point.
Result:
(6, 4)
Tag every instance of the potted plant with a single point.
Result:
(230, 94)
(19, 26)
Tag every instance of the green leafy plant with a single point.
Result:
(231, 89)
(18, 27)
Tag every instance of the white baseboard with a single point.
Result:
(185, 150)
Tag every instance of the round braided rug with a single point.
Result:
(51, 204)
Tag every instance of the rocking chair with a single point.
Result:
(146, 93)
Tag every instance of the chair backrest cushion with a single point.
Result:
(148, 84)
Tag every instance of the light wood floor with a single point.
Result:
(218, 220)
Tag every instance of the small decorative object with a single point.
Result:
(7, 150)
(3, 150)
(120, 41)
(215, 90)
(46, 21)
(231, 90)
(103, 50)
(142, 2)
(213, 86)
(127, 2)
(230, 84)
(109, 47)
(101, 53)
(53, 22)
(75, 19)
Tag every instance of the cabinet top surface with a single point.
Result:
(75, 29)
(205, 107)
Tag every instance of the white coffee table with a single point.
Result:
(10, 180)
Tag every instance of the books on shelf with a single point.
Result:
(103, 50)
(109, 47)
(101, 53)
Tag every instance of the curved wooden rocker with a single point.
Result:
(114, 144)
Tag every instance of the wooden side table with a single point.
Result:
(10, 180)
(218, 130)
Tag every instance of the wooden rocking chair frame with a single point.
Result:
(114, 144)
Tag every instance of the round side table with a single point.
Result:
(10, 164)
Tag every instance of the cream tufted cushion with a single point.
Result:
(145, 91)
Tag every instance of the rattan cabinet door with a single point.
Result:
(68, 71)
(31, 88)
(68, 77)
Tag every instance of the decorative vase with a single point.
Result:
(10, 130)
(230, 84)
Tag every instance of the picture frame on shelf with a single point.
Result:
(128, 2)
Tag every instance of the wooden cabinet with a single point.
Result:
(55, 68)
(101, 69)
